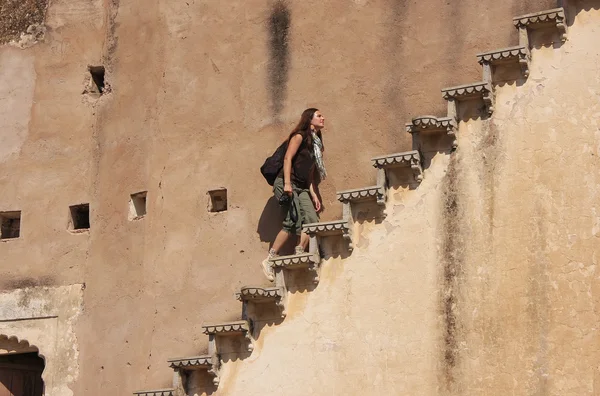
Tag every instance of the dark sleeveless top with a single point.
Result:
(302, 164)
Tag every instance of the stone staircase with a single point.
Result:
(427, 132)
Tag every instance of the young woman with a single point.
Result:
(303, 158)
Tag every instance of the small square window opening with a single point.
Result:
(217, 201)
(80, 217)
(97, 74)
(137, 205)
(10, 225)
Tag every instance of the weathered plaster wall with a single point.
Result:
(481, 281)
(371, 325)
(202, 91)
(527, 302)
(43, 319)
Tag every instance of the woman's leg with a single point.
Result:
(288, 225)
(280, 240)
(309, 215)
(288, 228)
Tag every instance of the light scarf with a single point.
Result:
(318, 147)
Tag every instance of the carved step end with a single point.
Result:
(191, 363)
(467, 91)
(539, 20)
(236, 327)
(295, 261)
(428, 123)
(476, 90)
(362, 194)
(196, 363)
(330, 228)
(338, 227)
(409, 159)
(518, 54)
(158, 392)
(259, 294)
(398, 159)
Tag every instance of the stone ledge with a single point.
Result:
(476, 90)
(518, 54)
(362, 194)
(249, 293)
(410, 159)
(236, 327)
(398, 159)
(467, 91)
(295, 260)
(191, 363)
(504, 54)
(337, 227)
(158, 392)
(555, 17)
(428, 123)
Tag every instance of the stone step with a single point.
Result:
(195, 363)
(191, 363)
(326, 228)
(411, 159)
(228, 328)
(467, 91)
(518, 54)
(309, 261)
(259, 294)
(235, 328)
(304, 260)
(330, 228)
(362, 194)
(459, 93)
(429, 123)
(540, 20)
(158, 392)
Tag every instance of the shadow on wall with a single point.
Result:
(574, 7)
(279, 55)
(270, 223)
(200, 382)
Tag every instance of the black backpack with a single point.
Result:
(274, 163)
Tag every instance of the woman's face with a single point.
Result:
(318, 121)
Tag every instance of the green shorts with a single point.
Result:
(306, 210)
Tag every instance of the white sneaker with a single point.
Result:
(267, 267)
(299, 250)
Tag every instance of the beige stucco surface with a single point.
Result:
(192, 109)
(43, 319)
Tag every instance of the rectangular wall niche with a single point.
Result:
(217, 200)
(10, 225)
(97, 83)
(137, 205)
(80, 217)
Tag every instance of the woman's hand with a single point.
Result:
(316, 202)
(287, 189)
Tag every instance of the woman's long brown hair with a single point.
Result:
(303, 127)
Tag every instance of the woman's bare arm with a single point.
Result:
(292, 149)
(313, 190)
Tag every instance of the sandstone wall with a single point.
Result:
(201, 94)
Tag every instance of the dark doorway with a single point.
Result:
(21, 375)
